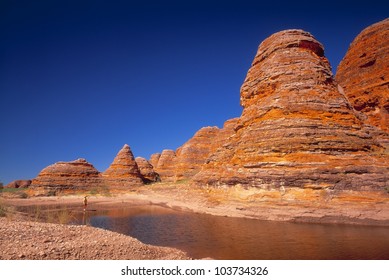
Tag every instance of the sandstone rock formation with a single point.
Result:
(166, 166)
(19, 184)
(187, 160)
(123, 172)
(194, 153)
(154, 160)
(297, 129)
(61, 176)
(364, 74)
(146, 170)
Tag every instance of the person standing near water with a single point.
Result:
(85, 202)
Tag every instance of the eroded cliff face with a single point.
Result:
(364, 74)
(67, 176)
(297, 129)
(124, 171)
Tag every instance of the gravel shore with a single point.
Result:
(40, 241)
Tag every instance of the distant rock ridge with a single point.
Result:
(19, 184)
(79, 174)
(187, 160)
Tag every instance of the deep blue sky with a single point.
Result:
(82, 78)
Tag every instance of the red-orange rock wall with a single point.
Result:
(296, 129)
(193, 154)
(146, 170)
(364, 74)
(166, 166)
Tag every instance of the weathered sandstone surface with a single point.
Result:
(19, 184)
(194, 153)
(166, 166)
(364, 74)
(146, 170)
(154, 158)
(297, 129)
(123, 172)
(300, 133)
(61, 176)
(187, 160)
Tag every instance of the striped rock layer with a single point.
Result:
(62, 176)
(297, 129)
(364, 74)
(124, 171)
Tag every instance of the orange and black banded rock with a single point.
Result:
(123, 172)
(364, 74)
(194, 153)
(146, 170)
(297, 129)
(166, 166)
(62, 176)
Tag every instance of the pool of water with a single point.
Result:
(217, 237)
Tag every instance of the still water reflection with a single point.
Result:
(235, 238)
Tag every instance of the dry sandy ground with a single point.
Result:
(39, 241)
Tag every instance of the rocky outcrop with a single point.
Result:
(364, 74)
(146, 170)
(62, 176)
(123, 172)
(166, 166)
(154, 160)
(187, 160)
(297, 129)
(19, 184)
(194, 153)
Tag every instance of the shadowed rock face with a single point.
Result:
(364, 74)
(123, 172)
(297, 129)
(146, 170)
(74, 175)
(19, 184)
